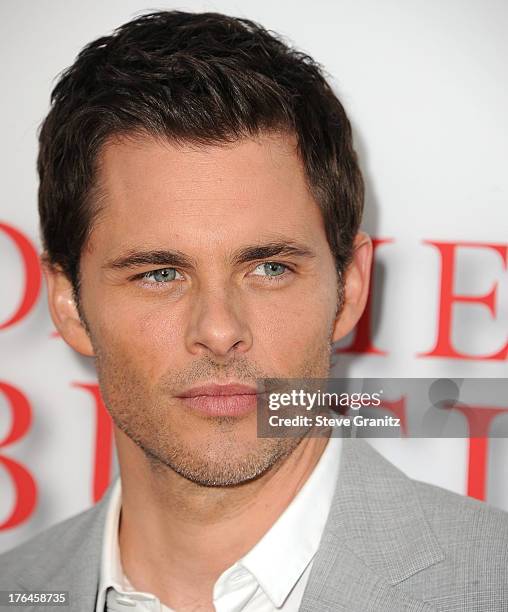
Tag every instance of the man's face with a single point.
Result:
(207, 265)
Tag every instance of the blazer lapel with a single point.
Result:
(376, 536)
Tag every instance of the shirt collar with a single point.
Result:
(281, 556)
(111, 567)
(277, 561)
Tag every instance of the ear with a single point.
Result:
(63, 309)
(356, 287)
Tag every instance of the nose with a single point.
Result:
(218, 325)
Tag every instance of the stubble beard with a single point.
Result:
(225, 458)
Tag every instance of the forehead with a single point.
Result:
(159, 193)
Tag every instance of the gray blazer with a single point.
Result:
(390, 544)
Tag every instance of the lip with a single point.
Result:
(213, 400)
(224, 390)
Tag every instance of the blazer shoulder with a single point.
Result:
(464, 522)
(52, 546)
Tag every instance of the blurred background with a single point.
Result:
(424, 84)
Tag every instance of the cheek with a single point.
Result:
(139, 334)
(292, 325)
(131, 358)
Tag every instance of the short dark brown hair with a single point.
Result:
(197, 77)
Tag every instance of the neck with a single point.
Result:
(176, 537)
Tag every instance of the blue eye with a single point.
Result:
(270, 268)
(163, 275)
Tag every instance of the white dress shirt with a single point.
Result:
(271, 576)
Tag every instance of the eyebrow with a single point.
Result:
(168, 257)
(271, 249)
(162, 257)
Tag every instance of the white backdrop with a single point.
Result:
(425, 86)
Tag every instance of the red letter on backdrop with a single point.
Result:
(362, 342)
(103, 443)
(32, 274)
(26, 490)
(443, 347)
(479, 420)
